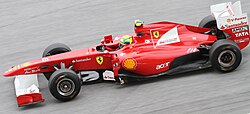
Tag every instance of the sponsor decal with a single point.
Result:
(191, 50)
(32, 70)
(45, 59)
(241, 34)
(161, 66)
(109, 75)
(26, 64)
(81, 60)
(99, 60)
(231, 21)
(236, 19)
(241, 40)
(156, 34)
(228, 26)
(32, 89)
(169, 37)
(129, 63)
(240, 29)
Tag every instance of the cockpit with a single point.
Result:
(108, 44)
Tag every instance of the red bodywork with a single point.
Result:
(142, 57)
(28, 99)
(149, 54)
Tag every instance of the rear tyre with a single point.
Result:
(54, 49)
(225, 55)
(210, 22)
(64, 84)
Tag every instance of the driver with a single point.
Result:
(125, 40)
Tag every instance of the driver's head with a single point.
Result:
(126, 40)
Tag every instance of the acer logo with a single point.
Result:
(164, 65)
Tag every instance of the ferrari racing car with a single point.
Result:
(156, 49)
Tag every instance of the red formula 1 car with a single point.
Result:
(161, 48)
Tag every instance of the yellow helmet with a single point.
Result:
(138, 23)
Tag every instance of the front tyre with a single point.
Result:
(225, 55)
(64, 84)
(54, 49)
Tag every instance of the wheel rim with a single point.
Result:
(226, 58)
(65, 87)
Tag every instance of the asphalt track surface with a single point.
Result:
(28, 26)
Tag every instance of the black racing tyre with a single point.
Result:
(225, 55)
(207, 22)
(64, 84)
(210, 22)
(54, 49)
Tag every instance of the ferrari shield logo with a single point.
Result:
(156, 34)
(99, 60)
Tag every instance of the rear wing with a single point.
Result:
(230, 19)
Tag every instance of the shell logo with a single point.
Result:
(129, 63)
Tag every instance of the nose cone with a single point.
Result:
(8, 72)
(16, 70)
